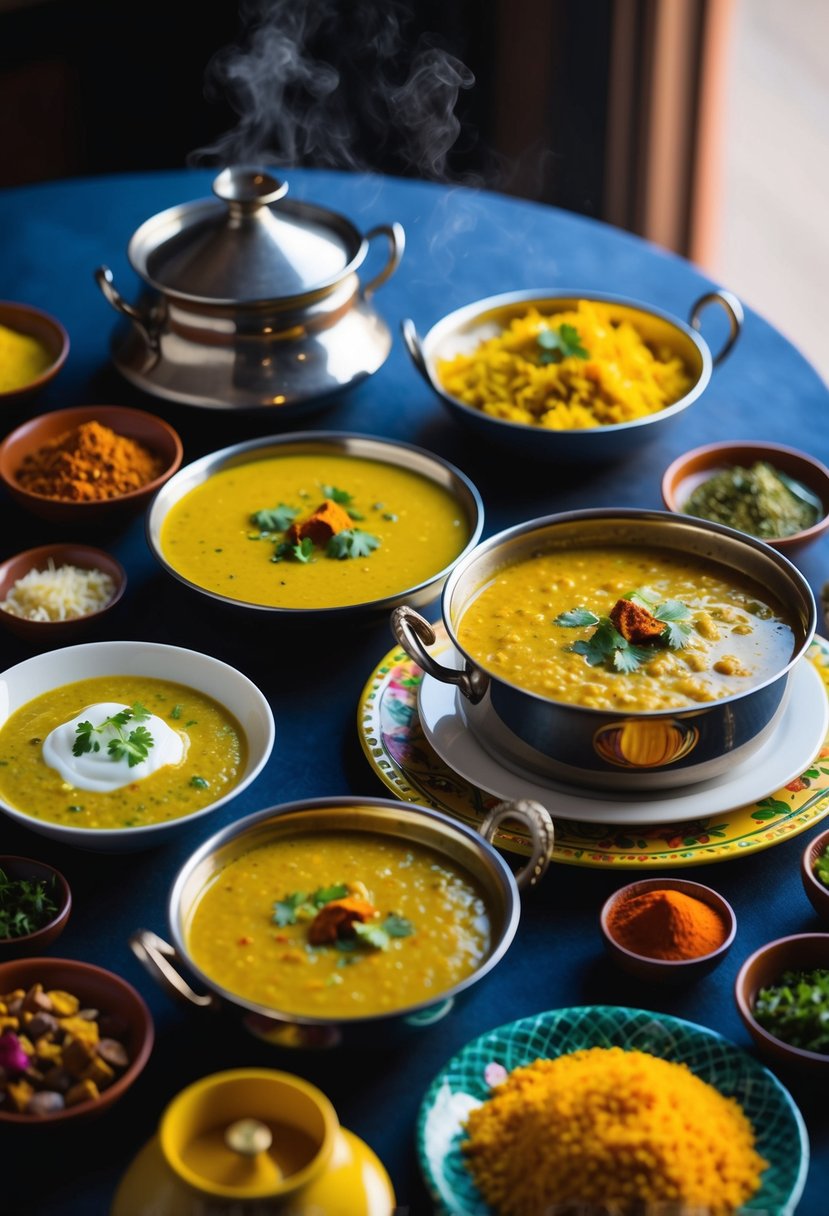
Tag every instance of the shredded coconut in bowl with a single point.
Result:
(59, 593)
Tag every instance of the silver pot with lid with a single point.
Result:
(252, 300)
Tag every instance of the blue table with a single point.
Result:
(462, 245)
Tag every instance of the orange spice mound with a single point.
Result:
(88, 463)
(667, 924)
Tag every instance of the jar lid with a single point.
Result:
(250, 246)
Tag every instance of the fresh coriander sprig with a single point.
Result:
(25, 905)
(561, 343)
(134, 746)
(352, 542)
(606, 645)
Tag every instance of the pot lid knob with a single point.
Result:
(248, 1137)
(248, 186)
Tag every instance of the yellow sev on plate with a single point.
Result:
(621, 379)
(609, 1126)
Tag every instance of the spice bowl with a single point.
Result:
(81, 557)
(47, 886)
(817, 892)
(146, 429)
(122, 1016)
(691, 470)
(766, 966)
(47, 332)
(661, 916)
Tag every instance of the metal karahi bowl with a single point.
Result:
(252, 301)
(403, 455)
(531, 733)
(463, 330)
(376, 817)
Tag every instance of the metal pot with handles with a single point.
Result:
(253, 301)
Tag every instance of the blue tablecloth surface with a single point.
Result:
(461, 245)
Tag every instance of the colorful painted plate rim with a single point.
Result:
(748, 829)
(526, 1039)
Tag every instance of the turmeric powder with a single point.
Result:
(326, 521)
(612, 1127)
(88, 463)
(666, 924)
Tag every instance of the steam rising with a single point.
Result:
(314, 81)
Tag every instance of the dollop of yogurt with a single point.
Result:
(99, 771)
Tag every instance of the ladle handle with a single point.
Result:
(396, 238)
(414, 634)
(733, 310)
(155, 954)
(542, 834)
(144, 325)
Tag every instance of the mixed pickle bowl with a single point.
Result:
(467, 849)
(461, 331)
(602, 748)
(404, 455)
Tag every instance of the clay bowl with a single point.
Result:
(148, 429)
(48, 633)
(695, 467)
(96, 989)
(660, 970)
(45, 329)
(818, 894)
(801, 952)
(57, 889)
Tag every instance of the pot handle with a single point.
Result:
(542, 833)
(154, 953)
(104, 279)
(396, 238)
(414, 634)
(414, 346)
(733, 310)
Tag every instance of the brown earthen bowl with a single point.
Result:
(695, 467)
(801, 952)
(48, 633)
(57, 890)
(153, 432)
(660, 970)
(96, 988)
(818, 894)
(46, 330)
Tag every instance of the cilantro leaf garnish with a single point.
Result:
(324, 895)
(398, 926)
(561, 343)
(337, 495)
(352, 542)
(371, 935)
(302, 906)
(275, 519)
(134, 747)
(284, 910)
(607, 645)
(199, 783)
(302, 551)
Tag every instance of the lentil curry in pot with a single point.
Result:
(632, 629)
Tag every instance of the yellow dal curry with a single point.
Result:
(210, 538)
(213, 760)
(738, 636)
(252, 934)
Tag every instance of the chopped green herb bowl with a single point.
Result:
(817, 891)
(35, 902)
(806, 477)
(806, 952)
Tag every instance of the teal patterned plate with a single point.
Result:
(461, 1085)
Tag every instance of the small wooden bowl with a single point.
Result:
(818, 894)
(801, 952)
(47, 633)
(43, 328)
(696, 467)
(153, 432)
(58, 892)
(661, 970)
(96, 989)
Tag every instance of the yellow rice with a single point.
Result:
(615, 1127)
(622, 379)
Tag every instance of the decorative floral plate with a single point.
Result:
(401, 757)
(462, 1085)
